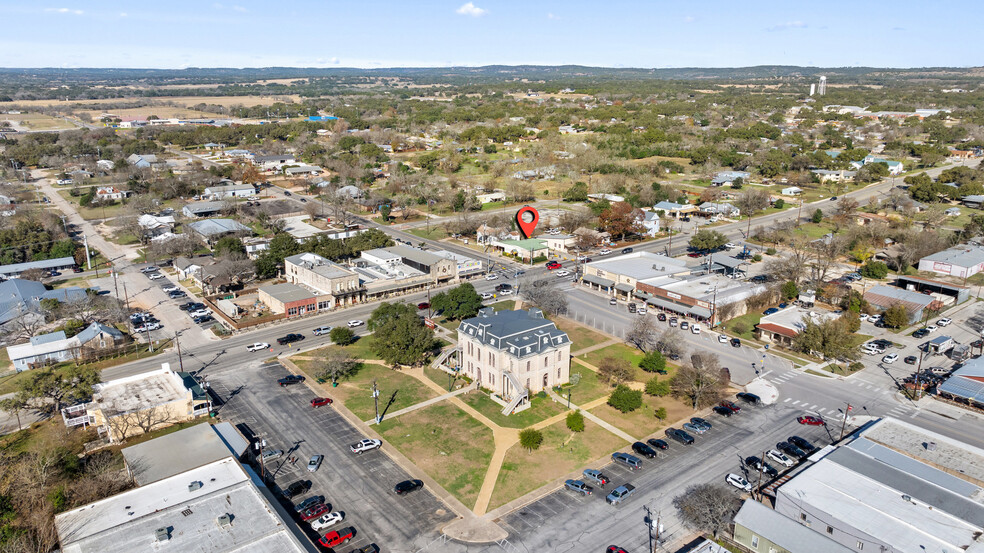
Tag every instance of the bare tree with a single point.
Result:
(699, 381)
(669, 344)
(335, 364)
(707, 507)
(614, 370)
(643, 334)
(542, 292)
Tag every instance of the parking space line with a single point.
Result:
(787, 400)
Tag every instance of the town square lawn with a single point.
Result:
(447, 443)
(642, 422)
(562, 452)
(541, 408)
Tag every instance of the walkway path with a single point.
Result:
(425, 403)
(605, 344)
(594, 418)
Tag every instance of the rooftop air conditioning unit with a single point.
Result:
(194, 486)
(162, 534)
(224, 521)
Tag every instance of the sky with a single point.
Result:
(432, 33)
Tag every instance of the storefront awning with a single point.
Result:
(702, 312)
(664, 304)
(642, 295)
(603, 282)
(627, 288)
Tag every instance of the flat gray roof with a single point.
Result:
(287, 292)
(174, 453)
(640, 265)
(784, 531)
(17, 268)
(964, 255)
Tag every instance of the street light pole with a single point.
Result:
(649, 527)
(844, 422)
(375, 397)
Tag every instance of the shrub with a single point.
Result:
(658, 388)
(817, 216)
(541, 394)
(874, 269)
(790, 290)
(575, 421)
(530, 439)
(625, 399)
(661, 413)
(757, 257)
(740, 327)
(539, 259)
(780, 203)
(653, 362)
(771, 251)
(341, 336)
(856, 366)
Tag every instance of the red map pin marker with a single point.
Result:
(527, 227)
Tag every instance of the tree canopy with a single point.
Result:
(399, 336)
(460, 302)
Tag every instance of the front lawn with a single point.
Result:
(588, 388)
(620, 351)
(435, 233)
(580, 335)
(562, 452)
(642, 422)
(451, 446)
(396, 390)
(749, 320)
(540, 409)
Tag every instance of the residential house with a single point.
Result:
(238, 154)
(894, 167)
(105, 165)
(613, 198)
(791, 191)
(952, 212)
(145, 161)
(915, 303)
(496, 196)
(727, 178)
(230, 191)
(213, 229)
(202, 209)
(55, 347)
(675, 210)
(132, 405)
(212, 146)
(97, 338)
(58, 264)
(558, 242)
(782, 328)
(973, 201)
(303, 170)
(650, 222)
(155, 225)
(841, 175)
(109, 194)
(541, 173)
(22, 298)
(513, 353)
(351, 191)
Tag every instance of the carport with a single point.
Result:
(724, 264)
(667, 305)
(624, 290)
(935, 287)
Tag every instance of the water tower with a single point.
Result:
(822, 87)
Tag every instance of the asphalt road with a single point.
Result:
(360, 486)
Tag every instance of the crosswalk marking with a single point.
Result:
(787, 400)
(796, 402)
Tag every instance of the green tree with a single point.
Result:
(281, 245)
(400, 337)
(830, 338)
(708, 240)
(780, 203)
(657, 387)
(653, 362)
(852, 320)
(530, 439)
(460, 302)
(874, 269)
(790, 290)
(575, 421)
(228, 245)
(817, 216)
(47, 390)
(341, 336)
(896, 316)
(625, 399)
(660, 413)
(384, 212)
(578, 192)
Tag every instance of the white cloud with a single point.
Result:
(787, 25)
(689, 19)
(64, 10)
(471, 9)
(240, 9)
(552, 16)
(122, 14)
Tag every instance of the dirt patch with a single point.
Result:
(452, 447)
(562, 452)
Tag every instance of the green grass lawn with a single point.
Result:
(561, 452)
(642, 422)
(588, 388)
(435, 233)
(581, 336)
(619, 351)
(815, 230)
(749, 320)
(540, 409)
(451, 446)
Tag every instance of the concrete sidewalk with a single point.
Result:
(592, 417)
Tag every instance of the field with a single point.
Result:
(37, 122)
(174, 100)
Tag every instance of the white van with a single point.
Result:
(695, 328)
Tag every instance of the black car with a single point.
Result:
(644, 450)
(297, 488)
(680, 436)
(801, 443)
(290, 338)
(699, 422)
(626, 250)
(761, 466)
(176, 294)
(790, 449)
(503, 286)
(202, 319)
(910, 360)
(735, 343)
(408, 486)
(661, 316)
(290, 379)
(921, 333)
(723, 411)
(760, 278)
(658, 444)
(748, 398)
(192, 306)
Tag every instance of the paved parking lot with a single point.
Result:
(566, 521)
(360, 486)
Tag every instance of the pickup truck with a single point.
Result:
(619, 494)
(596, 476)
(579, 487)
(337, 537)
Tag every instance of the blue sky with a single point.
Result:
(380, 33)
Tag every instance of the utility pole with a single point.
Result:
(649, 528)
(177, 342)
(844, 422)
(375, 397)
(88, 259)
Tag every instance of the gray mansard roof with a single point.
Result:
(519, 333)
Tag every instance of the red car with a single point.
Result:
(314, 512)
(423, 305)
(337, 537)
(553, 265)
(730, 405)
(615, 549)
(812, 421)
(320, 401)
